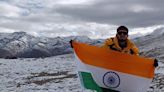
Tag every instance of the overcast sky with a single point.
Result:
(93, 18)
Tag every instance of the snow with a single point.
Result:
(53, 74)
(160, 68)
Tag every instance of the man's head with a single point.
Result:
(122, 33)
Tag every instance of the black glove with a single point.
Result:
(71, 43)
(155, 62)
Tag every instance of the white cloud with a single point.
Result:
(140, 8)
(6, 30)
(93, 18)
(70, 2)
(145, 30)
(8, 10)
(92, 30)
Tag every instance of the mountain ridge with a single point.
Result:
(23, 45)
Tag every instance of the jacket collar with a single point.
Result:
(117, 44)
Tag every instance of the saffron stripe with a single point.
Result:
(108, 59)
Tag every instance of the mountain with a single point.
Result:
(152, 45)
(23, 45)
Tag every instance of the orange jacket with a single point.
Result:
(112, 43)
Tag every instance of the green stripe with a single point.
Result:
(89, 83)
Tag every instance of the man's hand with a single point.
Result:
(155, 62)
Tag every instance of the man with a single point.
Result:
(121, 42)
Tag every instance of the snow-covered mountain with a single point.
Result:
(152, 45)
(21, 44)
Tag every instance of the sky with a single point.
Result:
(92, 18)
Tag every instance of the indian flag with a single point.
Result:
(104, 70)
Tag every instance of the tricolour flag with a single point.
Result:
(103, 69)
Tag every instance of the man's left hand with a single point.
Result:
(155, 62)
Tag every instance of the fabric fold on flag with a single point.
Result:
(101, 69)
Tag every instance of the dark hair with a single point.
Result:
(122, 28)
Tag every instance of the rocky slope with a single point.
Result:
(152, 45)
(21, 44)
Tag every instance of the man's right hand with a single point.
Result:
(71, 43)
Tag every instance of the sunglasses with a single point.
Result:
(124, 33)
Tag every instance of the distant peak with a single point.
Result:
(158, 31)
(21, 33)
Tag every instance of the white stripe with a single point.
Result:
(128, 83)
(80, 65)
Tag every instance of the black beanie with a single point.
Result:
(122, 28)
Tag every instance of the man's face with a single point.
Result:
(122, 35)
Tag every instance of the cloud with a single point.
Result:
(93, 18)
(134, 13)
(73, 2)
(6, 30)
(7, 10)
(92, 30)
